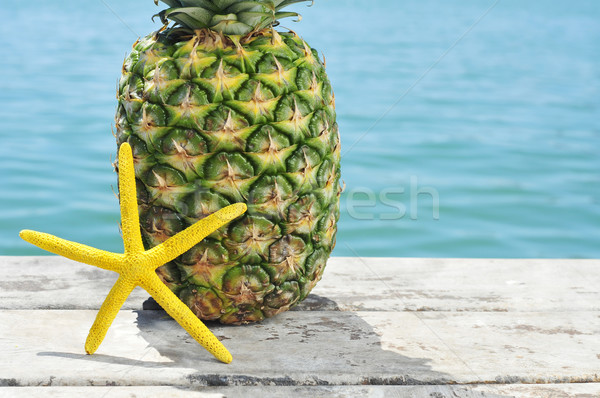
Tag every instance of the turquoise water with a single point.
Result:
(494, 152)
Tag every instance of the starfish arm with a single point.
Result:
(107, 313)
(185, 317)
(73, 250)
(184, 240)
(130, 219)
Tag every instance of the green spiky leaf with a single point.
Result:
(235, 17)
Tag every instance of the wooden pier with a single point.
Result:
(373, 327)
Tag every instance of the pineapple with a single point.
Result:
(220, 107)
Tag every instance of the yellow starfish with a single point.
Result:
(137, 267)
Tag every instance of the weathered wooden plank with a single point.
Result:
(579, 390)
(437, 284)
(305, 348)
(571, 390)
(107, 392)
(52, 282)
(369, 284)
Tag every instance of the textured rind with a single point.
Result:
(214, 122)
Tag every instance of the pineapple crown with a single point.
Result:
(230, 17)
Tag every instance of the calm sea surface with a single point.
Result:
(458, 140)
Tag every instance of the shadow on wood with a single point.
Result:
(314, 345)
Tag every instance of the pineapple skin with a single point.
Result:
(214, 120)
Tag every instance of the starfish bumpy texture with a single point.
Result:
(136, 266)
